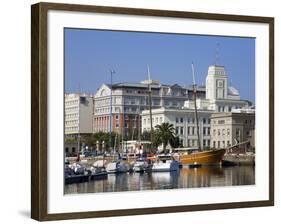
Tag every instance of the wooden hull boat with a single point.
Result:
(210, 157)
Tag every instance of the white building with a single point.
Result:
(78, 114)
(232, 128)
(184, 123)
(219, 98)
(129, 99)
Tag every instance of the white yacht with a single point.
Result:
(116, 167)
(165, 163)
(140, 165)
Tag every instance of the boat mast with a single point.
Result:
(195, 107)
(150, 103)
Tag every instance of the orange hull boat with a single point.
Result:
(210, 157)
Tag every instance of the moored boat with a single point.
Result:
(201, 156)
(165, 163)
(140, 165)
(98, 173)
(206, 157)
(116, 167)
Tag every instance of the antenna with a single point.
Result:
(79, 88)
(217, 54)
(149, 80)
(193, 75)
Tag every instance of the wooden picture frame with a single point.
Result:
(39, 108)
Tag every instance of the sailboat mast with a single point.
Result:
(195, 107)
(139, 124)
(150, 103)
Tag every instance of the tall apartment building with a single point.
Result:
(130, 99)
(78, 109)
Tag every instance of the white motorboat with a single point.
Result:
(98, 173)
(77, 168)
(140, 165)
(166, 165)
(116, 167)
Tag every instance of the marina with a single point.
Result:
(147, 167)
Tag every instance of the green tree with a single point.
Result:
(175, 142)
(104, 137)
(145, 136)
(165, 133)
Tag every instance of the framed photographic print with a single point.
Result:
(130, 105)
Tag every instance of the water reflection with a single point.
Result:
(185, 178)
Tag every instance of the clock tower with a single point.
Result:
(216, 83)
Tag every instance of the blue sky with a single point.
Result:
(90, 54)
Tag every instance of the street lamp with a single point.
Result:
(110, 117)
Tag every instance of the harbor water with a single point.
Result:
(213, 176)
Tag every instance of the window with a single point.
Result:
(204, 142)
(209, 130)
(219, 145)
(204, 131)
(181, 120)
(223, 132)
(214, 144)
(188, 130)
(237, 131)
(228, 132)
(219, 132)
(181, 130)
(177, 120)
(214, 132)
(204, 120)
(177, 130)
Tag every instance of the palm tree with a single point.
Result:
(165, 133)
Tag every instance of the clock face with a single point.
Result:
(220, 83)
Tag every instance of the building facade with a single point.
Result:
(128, 100)
(78, 109)
(184, 123)
(220, 99)
(233, 128)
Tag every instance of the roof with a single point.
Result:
(232, 91)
